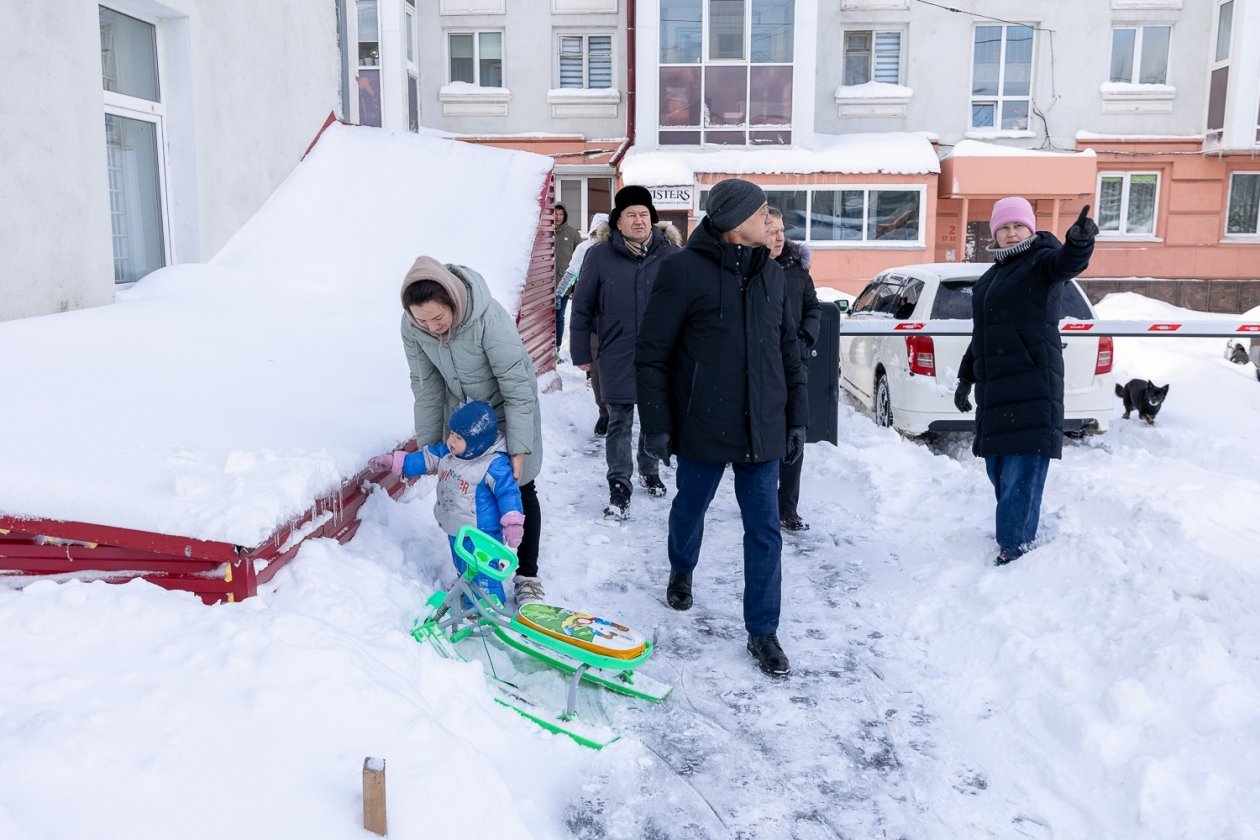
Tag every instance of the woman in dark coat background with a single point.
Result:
(1015, 361)
(802, 303)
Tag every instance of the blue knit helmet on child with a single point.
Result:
(475, 422)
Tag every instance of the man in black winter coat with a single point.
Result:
(1015, 360)
(612, 294)
(720, 382)
(802, 302)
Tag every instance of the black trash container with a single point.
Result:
(824, 377)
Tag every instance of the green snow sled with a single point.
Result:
(521, 653)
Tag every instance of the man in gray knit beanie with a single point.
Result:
(731, 202)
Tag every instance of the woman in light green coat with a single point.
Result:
(462, 345)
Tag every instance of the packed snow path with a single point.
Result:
(932, 695)
(1106, 685)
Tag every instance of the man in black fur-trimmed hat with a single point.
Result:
(612, 293)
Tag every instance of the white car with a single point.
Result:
(908, 382)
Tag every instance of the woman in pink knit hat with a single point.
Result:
(1015, 362)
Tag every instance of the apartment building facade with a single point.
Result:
(840, 108)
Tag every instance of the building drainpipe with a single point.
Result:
(630, 88)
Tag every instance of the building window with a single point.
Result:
(1218, 78)
(1001, 77)
(477, 58)
(369, 71)
(872, 57)
(726, 72)
(583, 198)
(1244, 204)
(861, 216)
(1139, 54)
(1224, 30)
(586, 61)
(1127, 202)
(134, 116)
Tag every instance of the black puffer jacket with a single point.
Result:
(611, 296)
(718, 362)
(798, 291)
(1015, 357)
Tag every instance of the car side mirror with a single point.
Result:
(842, 305)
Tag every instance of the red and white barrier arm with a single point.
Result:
(1126, 329)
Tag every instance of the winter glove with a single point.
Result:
(657, 445)
(795, 444)
(962, 396)
(513, 524)
(806, 339)
(391, 462)
(1083, 230)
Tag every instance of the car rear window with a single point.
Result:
(953, 302)
(1074, 305)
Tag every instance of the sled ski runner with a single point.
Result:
(464, 623)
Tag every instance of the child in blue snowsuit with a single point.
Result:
(475, 482)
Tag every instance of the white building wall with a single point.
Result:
(1072, 60)
(245, 87)
(55, 251)
(529, 66)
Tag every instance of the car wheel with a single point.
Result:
(883, 403)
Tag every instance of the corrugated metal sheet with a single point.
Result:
(536, 319)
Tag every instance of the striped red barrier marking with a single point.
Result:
(1163, 327)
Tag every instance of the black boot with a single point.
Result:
(654, 485)
(793, 522)
(618, 500)
(678, 592)
(769, 655)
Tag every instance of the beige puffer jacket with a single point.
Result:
(480, 358)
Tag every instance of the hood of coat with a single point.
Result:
(706, 240)
(664, 230)
(1040, 240)
(795, 253)
(466, 287)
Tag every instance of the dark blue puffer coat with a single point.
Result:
(1015, 357)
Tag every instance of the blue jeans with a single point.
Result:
(1017, 483)
(757, 491)
(562, 303)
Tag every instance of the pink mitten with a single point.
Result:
(513, 523)
(389, 462)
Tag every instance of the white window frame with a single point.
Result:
(704, 128)
(145, 110)
(998, 99)
(885, 244)
(874, 31)
(1126, 177)
(1138, 45)
(477, 33)
(586, 36)
(1253, 236)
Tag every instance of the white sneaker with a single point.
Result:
(529, 590)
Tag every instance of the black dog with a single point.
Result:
(1144, 396)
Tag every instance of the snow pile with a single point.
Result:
(216, 401)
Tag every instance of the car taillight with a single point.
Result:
(921, 355)
(1103, 364)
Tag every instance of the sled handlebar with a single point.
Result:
(487, 555)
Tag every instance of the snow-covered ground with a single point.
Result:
(1107, 685)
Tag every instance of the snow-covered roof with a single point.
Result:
(217, 400)
(978, 148)
(892, 153)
